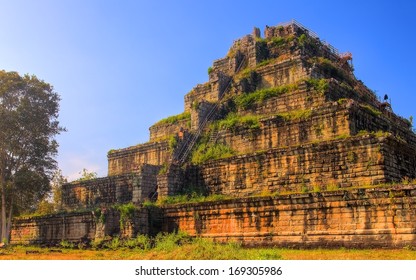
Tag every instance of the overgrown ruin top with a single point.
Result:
(279, 113)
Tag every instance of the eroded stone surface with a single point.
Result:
(326, 130)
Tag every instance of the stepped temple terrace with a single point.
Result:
(282, 145)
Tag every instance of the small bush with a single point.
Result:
(320, 85)
(126, 212)
(317, 188)
(114, 244)
(172, 142)
(278, 41)
(209, 70)
(170, 241)
(163, 170)
(342, 101)
(302, 39)
(67, 244)
(141, 242)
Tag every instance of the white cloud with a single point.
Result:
(72, 166)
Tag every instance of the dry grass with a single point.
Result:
(204, 250)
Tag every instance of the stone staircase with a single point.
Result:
(185, 149)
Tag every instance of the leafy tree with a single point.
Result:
(56, 184)
(87, 175)
(28, 124)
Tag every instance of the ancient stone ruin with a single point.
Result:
(298, 150)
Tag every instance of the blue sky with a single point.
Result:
(120, 66)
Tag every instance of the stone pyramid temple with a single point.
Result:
(299, 150)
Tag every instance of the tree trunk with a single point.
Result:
(3, 212)
(9, 222)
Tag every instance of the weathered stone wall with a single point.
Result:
(53, 229)
(308, 98)
(84, 226)
(327, 164)
(335, 120)
(170, 182)
(199, 93)
(297, 100)
(129, 160)
(135, 187)
(281, 31)
(243, 50)
(364, 119)
(201, 112)
(285, 72)
(358, 218)
(323, 124)
(160, 132)
(399, 159)
(362, 218)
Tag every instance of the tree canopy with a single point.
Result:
(29, 110)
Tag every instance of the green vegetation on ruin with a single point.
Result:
(247, 100)
(174, 119)
(164, 169)
(331, 69)
(201, 197)
(378, 133)
(172, 142)
(296, 115)
(188, 198)
(209, 151)
(277, 42)
(373, 111)
(126, 212)
(319, 85)
(233, 121)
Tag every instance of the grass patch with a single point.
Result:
(185, 248)
(190, 198)
(207, 151)
(373, 111)
(295, 115)
(378, 133)
(174, 119)
(234, 121)
(246, 101)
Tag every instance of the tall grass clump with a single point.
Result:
(170, 241)
(246, 101)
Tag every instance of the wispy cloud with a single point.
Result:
(74, 164)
